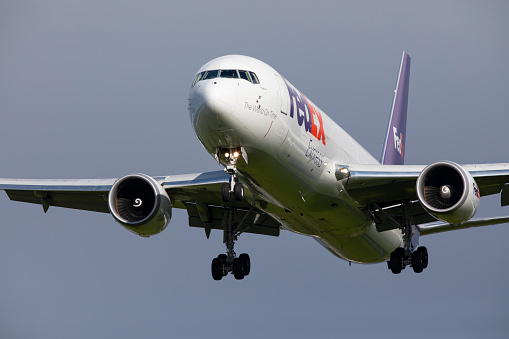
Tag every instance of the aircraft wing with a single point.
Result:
(387, 184)
(83, 194)
(386, 187)
(199, 194)
(381, 187)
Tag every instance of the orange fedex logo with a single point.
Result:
(305, 113)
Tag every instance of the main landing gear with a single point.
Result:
(400, 258)
(224, 263)
(409, 255)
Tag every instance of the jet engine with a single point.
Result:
(448, 192)
(140, 204)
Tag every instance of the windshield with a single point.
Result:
(227, 74)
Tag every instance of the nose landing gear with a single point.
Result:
(224, 263)
(233, 186)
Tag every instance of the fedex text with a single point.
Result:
(306, 113)
(398, 141)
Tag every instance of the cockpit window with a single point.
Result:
(229, 73)
(198, 77)
(245, 75)
(211, 74)
(255, 78)
(226, 73)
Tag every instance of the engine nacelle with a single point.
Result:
(448, 192)
(140, 204)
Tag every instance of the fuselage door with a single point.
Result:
(283, 95)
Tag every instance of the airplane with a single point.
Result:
(288, 166)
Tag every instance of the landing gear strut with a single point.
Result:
(233, 186)
(408, 255)
(224, 263)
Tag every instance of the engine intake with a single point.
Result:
(448, 192)
(140, 204)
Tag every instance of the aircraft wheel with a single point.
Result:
(246, 263)
(217, 269)
(418, 261)
(225, 192)
(396, 262)
(238, 191)
(424, 252)
(222, 258)
(238, 269)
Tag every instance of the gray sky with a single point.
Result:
(98, 89)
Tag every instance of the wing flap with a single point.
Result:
(88, 201)
(202, 188)
(504, 196)
(392, 217)
(200, 195)
(250, 222)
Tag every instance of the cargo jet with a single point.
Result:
(288, 166)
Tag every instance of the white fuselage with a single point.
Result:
(292, 148)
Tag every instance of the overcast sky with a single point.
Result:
(98, 89)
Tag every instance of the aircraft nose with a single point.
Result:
(214, 98)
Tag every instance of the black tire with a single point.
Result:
(417, 261)
(396, 260)
(222, 258)
(225, 192)
(424, 252)
(246, 263)
(401, 253)
(217, 269)
(238, 269)
(238, 191)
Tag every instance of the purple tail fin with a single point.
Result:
(394, 145)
